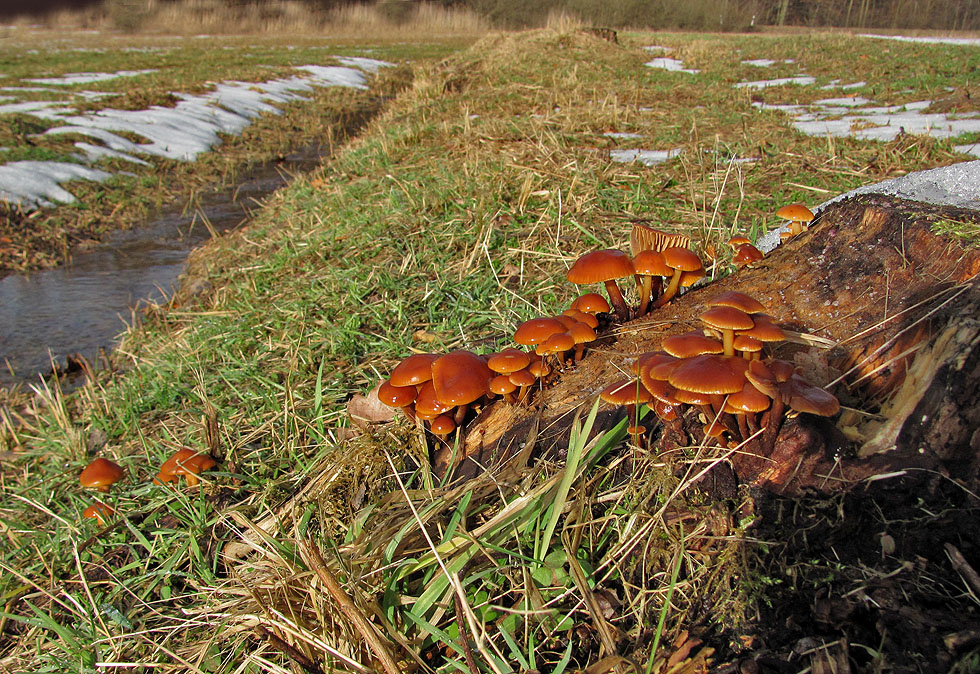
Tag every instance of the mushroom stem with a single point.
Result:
(728, 341)
(461, 414)
(772, 426)
(672, 287)
(743, 427)
(644, 289)
(616, 299)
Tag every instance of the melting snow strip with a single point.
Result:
(802, 80)
(37, 182)
(876, 123)
(87, 78)
(672, 65)
(645, 157)
(966, 41)
(181, 132)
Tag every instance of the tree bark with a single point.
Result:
(887, 316)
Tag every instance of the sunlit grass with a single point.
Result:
(447, 222)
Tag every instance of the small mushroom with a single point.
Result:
(680, 260)
(101, 474)
(185, 461)
(728, 320)
(604, 266)
(799, 217)
(649, 265)
(591, 303)
(190, 468)
(402, 397)
(442, 426)
(460, 378)
(747, 255)
(629, 393)
(414, 370)
(99, 511)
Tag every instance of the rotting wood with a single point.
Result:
(870, 279)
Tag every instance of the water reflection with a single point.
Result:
(84, 305)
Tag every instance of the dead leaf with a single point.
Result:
(424, 336)
(364, 410)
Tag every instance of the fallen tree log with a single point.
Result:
(886, 313)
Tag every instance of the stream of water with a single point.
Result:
(81, 307)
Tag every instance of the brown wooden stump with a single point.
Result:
(895, 313)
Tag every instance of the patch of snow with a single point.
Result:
(96, 95)
(645, 157)
(336, 76)
(29, 106)
(760, 63)
(974, 42)
(623, 135)
(87, 78)
(762, 84)
(876, 123)
(92, 153)
(367, 65)
(180, 132)
(36, 183)
(835, 84)
(31, 89)
(845, 101)
(973, 149)
(955, 185)
(672, 65)
(656, 48)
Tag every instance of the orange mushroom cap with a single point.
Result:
(747, 255)
(460, 377)
(795, 213)
(537, 330)
(591, 303)
(414, 370)
(101, 474)
(604, 266)
(442, 425)
(689, 344)
(738, 300)
(508, 361)
(99, 511)
(709, 374)
(396, 396)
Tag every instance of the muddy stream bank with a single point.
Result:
(81, 307)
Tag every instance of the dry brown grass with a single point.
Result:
(192, 17)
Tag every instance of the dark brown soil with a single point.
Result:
(864, 578)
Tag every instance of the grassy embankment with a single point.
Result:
(185, 65)
(450, 220)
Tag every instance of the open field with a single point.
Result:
(449, 220)
(157, 74)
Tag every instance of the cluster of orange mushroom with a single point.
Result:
(722, 372)
(798, 217)
(659, 266)
(440, 391)
(102, 473)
